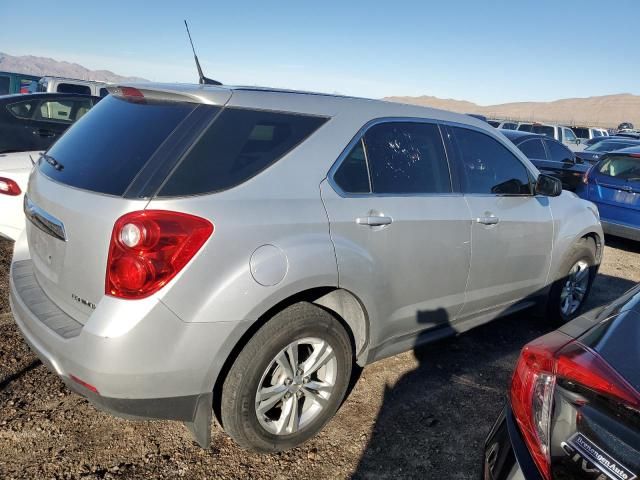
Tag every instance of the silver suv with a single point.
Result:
(200, 249)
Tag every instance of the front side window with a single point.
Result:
(533, 149)
(73, 88)
(558, 152)
(23, 109)
(569, 135)
(5, 85)
(623, 167)
(58, 110)
(487, 166)
(238, 145)
(407, 158)
(352, 176)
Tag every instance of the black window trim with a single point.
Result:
(359, 136)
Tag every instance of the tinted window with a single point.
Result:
(407, 157)
(558, 152)
(23, 109)
(237, 146)
(525, 127)
(488, 167)
(582, 132)
(493, 123)
(73, 88)
(623, 167)
(63, 110)
(543, 130)
(353, 176)
(509, 126)
(596, 133)
(5, 85)
(104, 92)
(533, 149)
(105, 151)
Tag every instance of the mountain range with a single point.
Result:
(604, 111)
(48, 66)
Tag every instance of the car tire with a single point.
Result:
(569, 292)
(268, 407)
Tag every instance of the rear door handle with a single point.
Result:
(374, 221)
(489, 220)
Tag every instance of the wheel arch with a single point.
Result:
(343, 305)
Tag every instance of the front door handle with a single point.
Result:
(488, 220)
(42, 132)
(374, 221)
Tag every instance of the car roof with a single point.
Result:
(626, 151)
(514, 135)
(312, 103)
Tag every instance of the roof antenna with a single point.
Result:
(203, 80)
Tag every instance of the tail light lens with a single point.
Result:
(541, 365)
(9, 187)
(148, 248)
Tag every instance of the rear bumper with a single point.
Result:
(621, 230)
(505, 454)
(161, 368)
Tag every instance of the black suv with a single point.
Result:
(549, 156)
(35, 121)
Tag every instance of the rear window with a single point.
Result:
(623, 167)
(105, 151)
(73, 88)
(239, 144)
(582, 132)
(543, 130)
(607, 146)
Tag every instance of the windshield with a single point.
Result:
(623, 167)
(606, 146)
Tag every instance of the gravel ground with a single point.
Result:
(422, 414)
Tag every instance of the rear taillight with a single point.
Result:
(585, 175)
(9, 187)
(148, 248)
(544, 362)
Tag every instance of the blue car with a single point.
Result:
(613, 184)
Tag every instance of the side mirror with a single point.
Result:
(577, 159)
(548, 186)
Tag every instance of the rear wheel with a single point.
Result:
(570, 291)
(288, 381)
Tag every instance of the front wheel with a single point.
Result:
(570, 291)
(288, 381)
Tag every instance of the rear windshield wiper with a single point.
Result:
(52, 161)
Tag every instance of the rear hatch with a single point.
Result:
(107, 164)
(595, 431)
(615, 187)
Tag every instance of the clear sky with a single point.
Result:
(486, 51)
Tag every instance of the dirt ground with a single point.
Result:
(422, 414)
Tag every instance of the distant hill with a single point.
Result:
(604, 111)
(48, 66)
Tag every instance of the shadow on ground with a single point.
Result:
(459, 383)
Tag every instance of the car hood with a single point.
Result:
(17, 161)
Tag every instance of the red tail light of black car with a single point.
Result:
(541, 364)
(148, 248)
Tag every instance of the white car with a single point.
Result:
(14, 174)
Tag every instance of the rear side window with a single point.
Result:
(582, 132)
(73, 88)
(558, 152)
(353, 175)
(406, 157)
(488, 167)
(238, 145)
(533, 149)
(63, 110)
(23, 109)
(105, 151)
